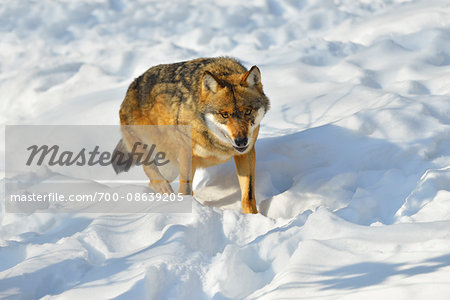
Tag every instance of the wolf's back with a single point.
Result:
(177, 81)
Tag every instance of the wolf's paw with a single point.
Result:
(249, 207)
(185, 187)
(161, 186)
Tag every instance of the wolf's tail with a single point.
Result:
(121, 159)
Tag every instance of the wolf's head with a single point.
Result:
(233, 106)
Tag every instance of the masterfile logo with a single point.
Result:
(76, 168)
(91, 158)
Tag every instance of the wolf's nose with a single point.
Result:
(241, 142)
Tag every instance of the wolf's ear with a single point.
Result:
(252, 78)
(209, 82)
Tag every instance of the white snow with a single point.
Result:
(353, 159)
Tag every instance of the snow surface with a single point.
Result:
(353, 160)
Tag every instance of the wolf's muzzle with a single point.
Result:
(241, 144)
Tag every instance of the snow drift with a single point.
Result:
(353, 177)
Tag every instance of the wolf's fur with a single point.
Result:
(222, 101)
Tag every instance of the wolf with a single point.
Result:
(219, 98)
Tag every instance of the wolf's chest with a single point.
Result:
(206, 157)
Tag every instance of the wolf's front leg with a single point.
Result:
(245, 166)
(186, 179)
(187, 171)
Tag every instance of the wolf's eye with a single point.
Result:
(247, 112)
(224, 115)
